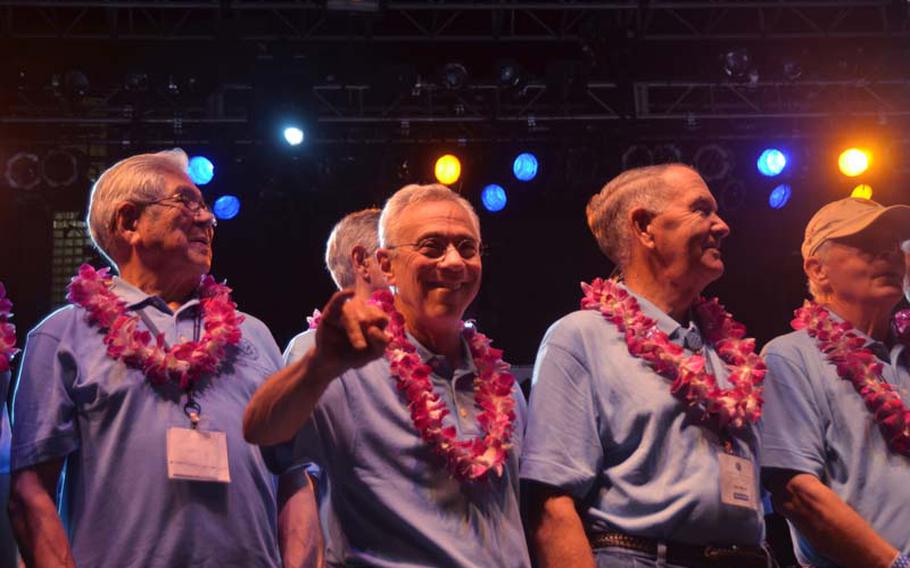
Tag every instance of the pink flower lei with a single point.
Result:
(313, 320)
(467, 460)
(7, 331)
(857, 364)
(734, 407)
(184, 363)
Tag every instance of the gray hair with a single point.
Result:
(608, 209)
(412, 195)
(137, 178)
(358, 228)
(821, 253)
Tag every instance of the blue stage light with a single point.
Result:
(771, 162)
(493, 197)
(293, 135)
(779, 197)
(226, 207)
(201, 170)
(525, 166)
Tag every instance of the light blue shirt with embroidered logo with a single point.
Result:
(391, 502)
(109, 424)
(605, 428)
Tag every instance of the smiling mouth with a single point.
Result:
(453, 286)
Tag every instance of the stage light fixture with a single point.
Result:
(525, 166)
(59, 168)
(737, 63)
(854, 161)
(201, 170)
(454, 76)
(780, 195)
(293, 135)
(713, 162)
(508, 73)
(771, 162)
(863, 191)
(23, 171)
(637, 156)
(448, 169)
(493, 198)
(226, 207)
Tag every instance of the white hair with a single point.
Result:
(139, 178)
(358, 228)
(607, 210)
(412, 195)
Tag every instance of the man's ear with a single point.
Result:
(816, 271)
(126, 221)
(640, 220)
(384, 258)
(360, 260)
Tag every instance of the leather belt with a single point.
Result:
(691, 555)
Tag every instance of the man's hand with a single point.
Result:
(351, 333)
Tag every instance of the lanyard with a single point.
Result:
(192, 408)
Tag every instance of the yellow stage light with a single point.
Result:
(448, 169)
(863, 191)
(853, 162)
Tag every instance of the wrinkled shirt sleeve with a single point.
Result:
(562, 446)
(44, 414)
(792, 426)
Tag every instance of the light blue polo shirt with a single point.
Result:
(119, 508)
(815, 422)
(391, 501)
(604, 427)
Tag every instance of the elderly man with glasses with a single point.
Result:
(131, 398)
(420, 445)
(836, 435)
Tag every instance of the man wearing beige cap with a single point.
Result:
(836, 429)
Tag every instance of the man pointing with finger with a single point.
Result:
(412, 415)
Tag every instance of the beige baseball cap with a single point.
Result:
(851, 216)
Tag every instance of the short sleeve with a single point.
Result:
(299, 346)
(44, 415)
(562, 445)
(792, 427)
(307, 448)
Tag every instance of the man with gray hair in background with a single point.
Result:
(641, 448)
(836, 435)
(350, 256)
(413, 417)
(132, 396)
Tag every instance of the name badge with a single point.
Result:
(197, 456)
(737, 481)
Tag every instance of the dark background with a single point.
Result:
(100, 81)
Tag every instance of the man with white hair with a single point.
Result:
(420, 445)
(132, 396)
(836, 435)
(641, 448)
(350, 257)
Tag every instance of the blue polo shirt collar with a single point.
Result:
(440, 365)
(136, 299)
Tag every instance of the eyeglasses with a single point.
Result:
(435, 248)
(193, 206)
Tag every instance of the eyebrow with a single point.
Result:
(705, 201)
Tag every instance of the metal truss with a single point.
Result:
(451, 21)
(345, 112)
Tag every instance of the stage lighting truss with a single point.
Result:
(445, 20)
